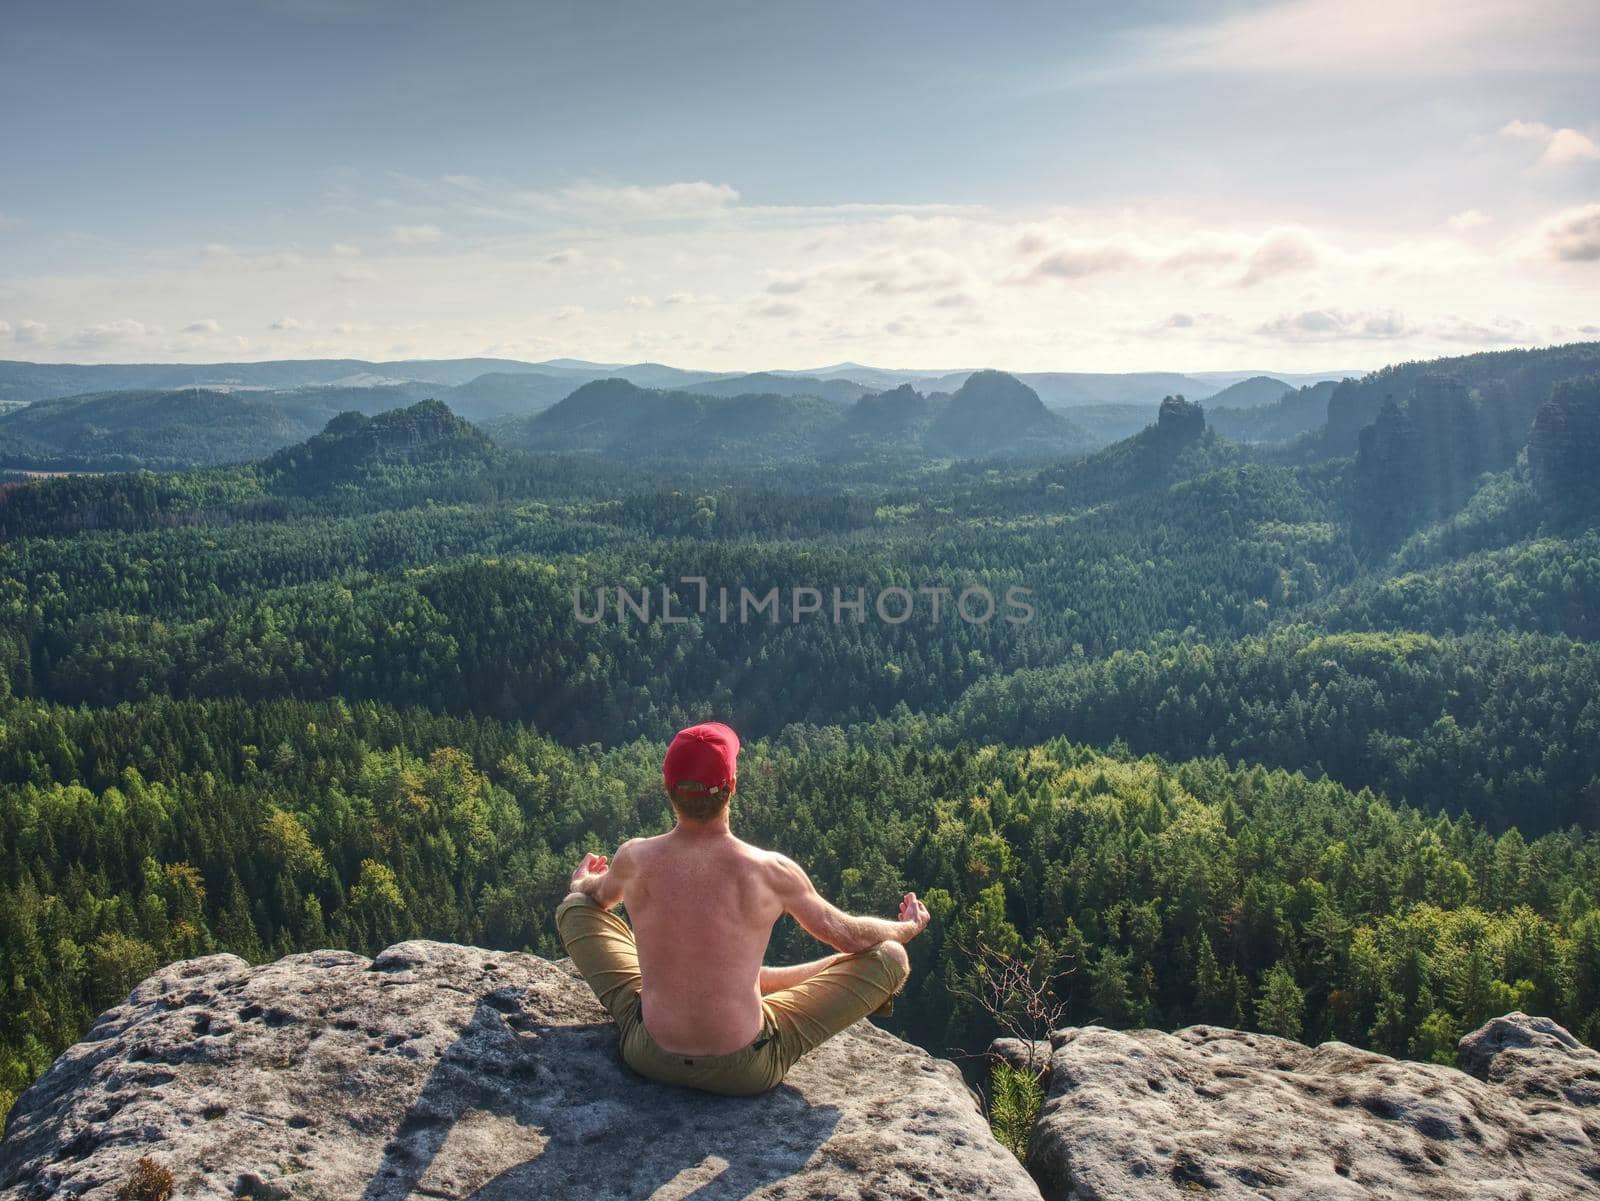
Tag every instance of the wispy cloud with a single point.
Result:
(1279, 255)
(1368, 37)
(1078, 262)
(1334, 325)
(415, 235)
(1468, 219)
(696, 198)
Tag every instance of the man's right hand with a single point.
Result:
(913, 916)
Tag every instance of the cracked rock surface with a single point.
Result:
(1209, 1112)
(446, 1071)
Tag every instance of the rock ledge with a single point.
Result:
(1228, 1115)
(447, 1071)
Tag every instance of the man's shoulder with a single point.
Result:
(760, 855)
(776, 870)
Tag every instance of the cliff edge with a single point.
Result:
(446, 1071)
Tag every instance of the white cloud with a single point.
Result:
(681, 298)
(778, 309)
(639, 302)
(30, 333)
(112, 332)
(415, 235)
(5, 329)
(1281, 254)
(345, 250)
(1468, 219)
(1561, 146)
(564, 257)
(206, 325)
(567, 312)
(1573, 236)
(286, 325)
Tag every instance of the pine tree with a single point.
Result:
(1281, 1006)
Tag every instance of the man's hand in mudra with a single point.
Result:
(589, 872)
(914, 912)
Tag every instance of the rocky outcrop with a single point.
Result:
(1135, 1115)
(1181, 419)
(445, 1071)
(1565, 443)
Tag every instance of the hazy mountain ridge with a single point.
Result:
(1294, 413)
(1249, 393)
(991, 413)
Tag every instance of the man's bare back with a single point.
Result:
(683, 977)
(702, 904)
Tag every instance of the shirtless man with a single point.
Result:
(691, 999)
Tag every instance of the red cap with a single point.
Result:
(703, 754)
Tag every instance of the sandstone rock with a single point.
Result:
(1535, 1059)
(1218, 1113)
(1181, 419)
(1564, 443)
(446, 1071)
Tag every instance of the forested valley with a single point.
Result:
(1301, 732)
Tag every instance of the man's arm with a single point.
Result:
(775, 978)
(831, 925)
(601, 880)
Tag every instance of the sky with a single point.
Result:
(1301, 185)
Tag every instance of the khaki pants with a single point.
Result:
(794, 1020)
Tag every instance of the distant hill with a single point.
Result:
(993, 412)
(1296, 412)
(645, 375)
(1105, 424)
(353, 447)
(189, 427)
(497, 392)
(126, 430)
(1248, 393)
(768, 383)
(619, 419)
(899, 414)
(40, 381)
(990, 414)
